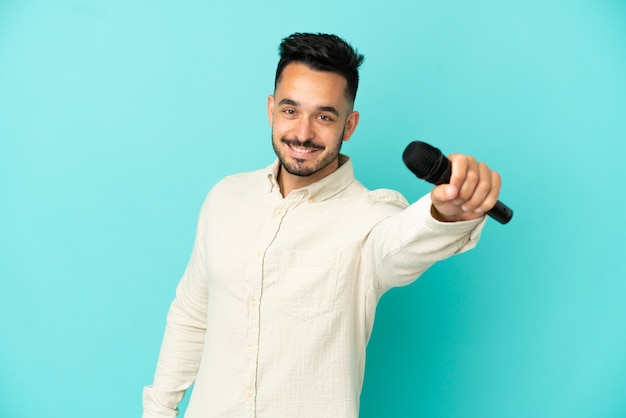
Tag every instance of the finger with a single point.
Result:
(459, 170)
(481, 191)
(490, 200)
(443, 194)
(472, 177)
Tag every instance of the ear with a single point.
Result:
(351, 122)
(270, 109)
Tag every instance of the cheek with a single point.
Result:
(279, 123)
(280, 129)
(277, 130)
(338, 133)
(284, 127)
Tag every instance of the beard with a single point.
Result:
(301, 167)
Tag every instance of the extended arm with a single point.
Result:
(447, 222)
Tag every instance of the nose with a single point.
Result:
(304, 129)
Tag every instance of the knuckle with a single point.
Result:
(472, 176)
(488, 204)
(496, 178)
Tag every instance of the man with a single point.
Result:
(273, 314)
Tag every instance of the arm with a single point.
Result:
(406, 244)
(447, 222)
(183, 341)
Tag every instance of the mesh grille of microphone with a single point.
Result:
(422, 159)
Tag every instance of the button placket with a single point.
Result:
(256, 279)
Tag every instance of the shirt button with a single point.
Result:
(312, 200)
(253, 303)
(250, 349)
(248, 393)
(278, 212)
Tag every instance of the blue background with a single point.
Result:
(116, 117)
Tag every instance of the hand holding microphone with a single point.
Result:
(466, 189)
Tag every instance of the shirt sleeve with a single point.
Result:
(405, 244)
(183, 341)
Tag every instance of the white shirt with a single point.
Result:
(274, 311)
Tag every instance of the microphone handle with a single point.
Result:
(501, 213)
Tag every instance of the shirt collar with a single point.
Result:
(323, 189)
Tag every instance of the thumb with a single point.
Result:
(444, 193)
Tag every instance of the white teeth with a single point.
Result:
(302, 150)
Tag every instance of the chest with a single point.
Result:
(302, 249)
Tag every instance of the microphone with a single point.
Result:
(428, 163)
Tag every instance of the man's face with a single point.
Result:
(310, 118)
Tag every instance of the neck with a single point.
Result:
(290, 182)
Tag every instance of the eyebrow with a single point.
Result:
(290, 102)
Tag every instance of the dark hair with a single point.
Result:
(321, 52)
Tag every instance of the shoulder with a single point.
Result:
(240, 182)
(234, 188)
(383, 201)
(375, 197)
(380, 204)
(387, 197)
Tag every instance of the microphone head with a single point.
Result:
(427, 162)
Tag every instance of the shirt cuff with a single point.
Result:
(160, 404)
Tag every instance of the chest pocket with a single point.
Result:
(308, 282)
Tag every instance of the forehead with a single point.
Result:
(301, 83)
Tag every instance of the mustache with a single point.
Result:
(295, 142)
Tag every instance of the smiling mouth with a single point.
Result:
(302, 150)
(306, 147)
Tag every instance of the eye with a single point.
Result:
(289, 111)
(325, 118)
